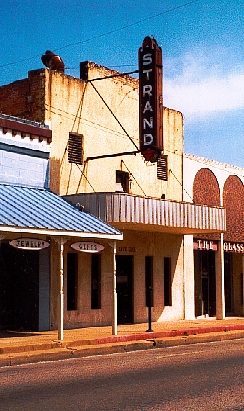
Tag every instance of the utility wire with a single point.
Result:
(181, 185)
(114, 116)
(197, 158)
(153, 16)
(134, 178)
(113, 75)
(82, 174)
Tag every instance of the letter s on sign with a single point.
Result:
(147, 59)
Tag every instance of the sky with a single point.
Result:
(203, 55)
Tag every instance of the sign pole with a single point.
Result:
(115, 314)
(61, 243)
(150, 310)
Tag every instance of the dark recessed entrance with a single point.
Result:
(19, 284)
(124, 265)
(228, 269)
(205, 283)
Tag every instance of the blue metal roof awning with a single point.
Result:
(35, 210)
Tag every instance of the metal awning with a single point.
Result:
(132, 212)
(39, 211)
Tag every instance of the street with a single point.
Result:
(193, 377)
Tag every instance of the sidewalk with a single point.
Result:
(22, 347)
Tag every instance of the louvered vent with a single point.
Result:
(162, 168)
(75, 148)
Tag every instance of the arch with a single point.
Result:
(233, 200)
(206, 188)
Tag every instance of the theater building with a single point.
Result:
(96, 164)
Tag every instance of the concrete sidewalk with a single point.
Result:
(23, 347)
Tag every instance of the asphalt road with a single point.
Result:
(195, 377)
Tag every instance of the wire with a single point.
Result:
(197, 158)
(153, 16)
(181, 185)
(83, 175)
(113, 75)
(133, 177)
(114, 116)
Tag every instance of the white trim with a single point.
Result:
(56, 233)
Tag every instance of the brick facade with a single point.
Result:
(25, 98)
(233, 200)
(206, 188)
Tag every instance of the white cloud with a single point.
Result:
(201, 87)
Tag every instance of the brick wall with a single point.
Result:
(14, 97)
(206, 191)
(206, 188)
(233, 200)
(25, 98)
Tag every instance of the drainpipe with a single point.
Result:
(115, 320)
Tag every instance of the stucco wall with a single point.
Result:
(156, 245)
(144, 244)
(74, 106)
(69, 104)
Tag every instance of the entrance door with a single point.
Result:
(205, 283)
(124, 266)
(228, 282)
(19, 284)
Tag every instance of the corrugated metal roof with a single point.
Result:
(40, 209)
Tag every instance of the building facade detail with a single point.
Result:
(173, 229)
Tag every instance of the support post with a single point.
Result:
(61, 242)
(189, 278)
(220, 289)
(115, 319)
(242, 286)
(150, 302)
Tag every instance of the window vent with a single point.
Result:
(122, 181)
(75, 148)
(162, 168)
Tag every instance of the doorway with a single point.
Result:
(124, 268)
(228, 269)
(205, 283)
(19, 289)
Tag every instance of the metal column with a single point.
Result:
(115, 319)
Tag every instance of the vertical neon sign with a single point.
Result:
(150, 99)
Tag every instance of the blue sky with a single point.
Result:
(202, 43)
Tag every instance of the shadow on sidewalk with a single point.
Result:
(17, 333)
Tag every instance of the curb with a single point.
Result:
(69, 352)
(159, 334)
(116, 339)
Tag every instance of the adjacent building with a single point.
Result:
(35, 224)
(217, 184)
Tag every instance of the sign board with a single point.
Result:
(87, 247)
(205, 245)
(208, 245)
(230, 247)
(150, 100)
(29, 244)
